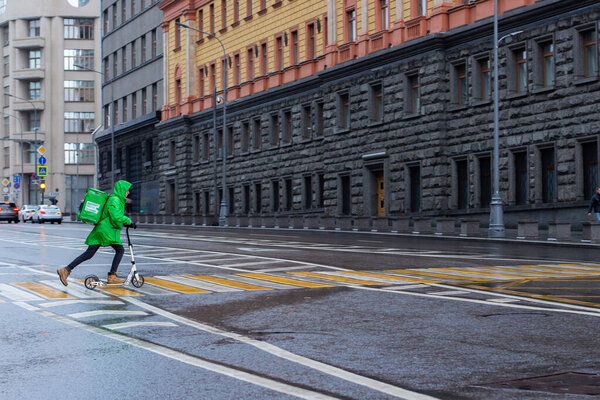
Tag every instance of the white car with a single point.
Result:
(26, 212)
(47, 213)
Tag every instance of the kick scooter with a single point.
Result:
(92, 281)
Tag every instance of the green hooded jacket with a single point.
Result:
(108, 230)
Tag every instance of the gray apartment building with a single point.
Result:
(50, 95)
(132, 90)
(405, 131)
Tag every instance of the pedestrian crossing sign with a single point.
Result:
(42, 170)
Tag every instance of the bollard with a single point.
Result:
(559, 230)
(527, 229)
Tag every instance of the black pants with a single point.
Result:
(91, 250)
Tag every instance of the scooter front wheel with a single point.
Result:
(91, 282)
(137, 280)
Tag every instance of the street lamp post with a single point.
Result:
(223, 210)
(35, 131)
(496, 226)
(110, 121)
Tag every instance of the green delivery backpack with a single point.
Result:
(93, 205)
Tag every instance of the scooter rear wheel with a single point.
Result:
(91, 281)
(137, 282)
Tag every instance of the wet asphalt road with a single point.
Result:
(430, 337)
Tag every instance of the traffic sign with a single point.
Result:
(5, 182)
(42, 160)
(54, 194)
(17, 179)
(41, 150)
(34, 176)
(42, 170)
(5, 190)
(17, 186)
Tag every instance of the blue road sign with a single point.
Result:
(17, 186)
(42, 160)
(17, 179)
(42, 171)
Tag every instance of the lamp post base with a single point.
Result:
(496, 229)
(223, 214)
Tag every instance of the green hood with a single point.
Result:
(121, 188)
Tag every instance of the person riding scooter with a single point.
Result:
(107, 232)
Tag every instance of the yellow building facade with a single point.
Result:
(270, 43)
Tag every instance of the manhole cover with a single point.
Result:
(569, 382)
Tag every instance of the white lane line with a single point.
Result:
(287, 355)
(152, 290)
(262, 262)
(186, 358)
(403, 287)
(95, 313)
(74, 289)
(68, 302)
(283, 269)
(449, 292)
(364, 277)
(124, 325)
(14, 294)
(500, 300)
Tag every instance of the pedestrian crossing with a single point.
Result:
(391, 279)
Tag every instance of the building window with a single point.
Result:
(310, 41)
(289, 194)
(35, 59)
(384, 14)
(6, 68)
(223, 14)
(351, 25)
(236, 69)
(77, 59)
(482, 84)
(123, 11)
(178, 97)
(149, 150)
(106, 65)
(307, 192)
(213, 76)
(211, 16)
(35, 90)
(590, 53)
(294, 51)
(236, 10)
(79, 91)
(205, 149)
(275, 129)
(344, 195)
(154, 43)
(320, 191)
(105, 22)
(548, 164)
(201, 82)
(134, 113)
(250, 64)
(376, 102)
(460, 82)
(258, 198)
(154, 97)
(229, 141)
(245, 137)
(78, 28)
(286, 134)
(279, 53)
(256, 134)
(115, 110)
(123, 60)
(246, 199)
(144, 102)
(133, 54)
(546, 61)
(306, 121)
(6, 96)
(485, 181)
(248, 8)
(413, 97)
(177, 33)
(197, 148)
(589, 153)
(34, 28)
(33, 119)
(462, 184)
(125, 109)
(421, 7)
(143, 46)
(79, 122)
(275, 196)
(521, 177)
(79, 153)
(5, 36)
(264, 61)
(414, 177)
(343, 111)
(517, 73)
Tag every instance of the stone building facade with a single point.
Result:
(408, 130)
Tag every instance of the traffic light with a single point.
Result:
(43, 185)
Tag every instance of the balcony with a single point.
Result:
(28, 74)
(20, 105)
(28, 43)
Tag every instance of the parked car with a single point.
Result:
(47, 213)
(9, 212)
(26, 212)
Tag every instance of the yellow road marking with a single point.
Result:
(338, 278)
(395, 277)
(513, 283)
(564, 270)
(467, 271)
(227, 282)
(432, 274)
(119, 291)
(581, 265)
(537, 296)
(178, 287)
(287, 281)
(43, 290)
